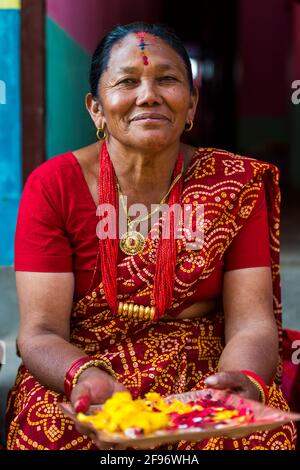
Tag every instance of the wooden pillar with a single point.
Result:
(33, 84)
(295, 108)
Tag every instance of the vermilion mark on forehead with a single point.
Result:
(142, 45)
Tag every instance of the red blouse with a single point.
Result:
(56, 230)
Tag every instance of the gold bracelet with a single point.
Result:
(93, 363)
(259, 387)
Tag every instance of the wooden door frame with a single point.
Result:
(33, 84)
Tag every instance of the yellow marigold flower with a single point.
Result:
(121, 412)
(153, 396)
(179, 407)
(198, 407)
(224, 415)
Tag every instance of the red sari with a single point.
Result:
(166, 357)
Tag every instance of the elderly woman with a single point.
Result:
(138, 311)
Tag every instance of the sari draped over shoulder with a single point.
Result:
(167, 357)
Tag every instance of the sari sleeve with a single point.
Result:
(251, 246)
(41, 243)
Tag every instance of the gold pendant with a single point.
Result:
(132, 242)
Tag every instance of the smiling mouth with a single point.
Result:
(150, 117)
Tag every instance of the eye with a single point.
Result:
(167, 78)
(127, 81)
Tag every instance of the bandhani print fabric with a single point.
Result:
(158, 356)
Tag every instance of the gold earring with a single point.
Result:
(190, 126)
(101, 134)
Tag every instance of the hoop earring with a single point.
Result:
(190, 126)
(101, 134)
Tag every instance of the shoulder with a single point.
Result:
(56, 177)
(54, 167)
(225, 164)
(54, 180)
(222, 155)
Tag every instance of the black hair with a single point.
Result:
(102, 52)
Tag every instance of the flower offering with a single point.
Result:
(133, 418)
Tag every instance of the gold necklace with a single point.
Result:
(133, 242)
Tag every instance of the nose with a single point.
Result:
(148, 94)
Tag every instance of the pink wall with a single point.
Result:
(86, 21)
(264, 31)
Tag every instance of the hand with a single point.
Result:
(234, 381)
(93, 387)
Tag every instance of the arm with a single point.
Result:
(251, 337)
(45, 297)
(45, 302)
(250, 329)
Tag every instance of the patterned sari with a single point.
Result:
(167, 357)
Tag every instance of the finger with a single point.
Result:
(80, 398)
(226, 380)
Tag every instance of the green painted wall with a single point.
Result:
(295, 148)
(68, 125)
(261, 131)
(267, 139)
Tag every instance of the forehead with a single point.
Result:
(127, 52)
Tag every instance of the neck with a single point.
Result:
(135, 168)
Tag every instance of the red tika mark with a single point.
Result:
(142, 45)
(141, 35)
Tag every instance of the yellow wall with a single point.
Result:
(10, 4)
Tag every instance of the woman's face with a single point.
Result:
(144, 105)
